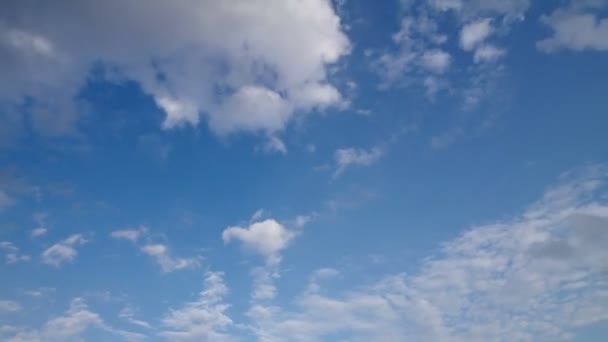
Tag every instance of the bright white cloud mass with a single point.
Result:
(429, 170)
(247, 65)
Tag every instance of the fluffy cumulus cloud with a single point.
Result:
(266, 238)
(243, 66)
(577, 27)
(203, 319)
(64, 251)
(474, 33)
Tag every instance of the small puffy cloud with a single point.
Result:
(267, 238)
(577, 27)
(37, 232)
(488, 53)
(474, 33)
(166, 261)
(9, 306)
(63, 251)
(203, 319)
(129, 234)
(437, 61)
(349, 157)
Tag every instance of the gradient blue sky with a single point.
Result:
(415, 170)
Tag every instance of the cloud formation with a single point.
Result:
(63, 251)
(577, 27)
(166, 261)
(269, 62)
(203, 319)
(73, 325)
(539, 276)
(266, 238)
(349, 157)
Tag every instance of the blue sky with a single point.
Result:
(416, 170)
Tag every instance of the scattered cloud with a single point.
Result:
(475, 33)
(266, 238)
(9, 306)
(348, 157)
(576, 27)
(538, 276)
(38, 232)
(63, 251)
(12, 253)
(72, 326)
(158, 251)
(40, 292)
(166, 261)
(488, 53)
(129, 234)
(203, 319)
(273, 145)
(128, 315)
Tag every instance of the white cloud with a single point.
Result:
(203, 319)
(488, 53)
(243, 66)
(166, 261)
(128, 314)
(160, 252)
(475, 33)
(71, 326)
(419, 41)
(63, 251)
(267, 238)
(348, 157)
(9, 306)
(129, 234)
(37, 232)
(274, 145)
(576, 27)
(538, 276)
(12, 253)
(436, 60)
